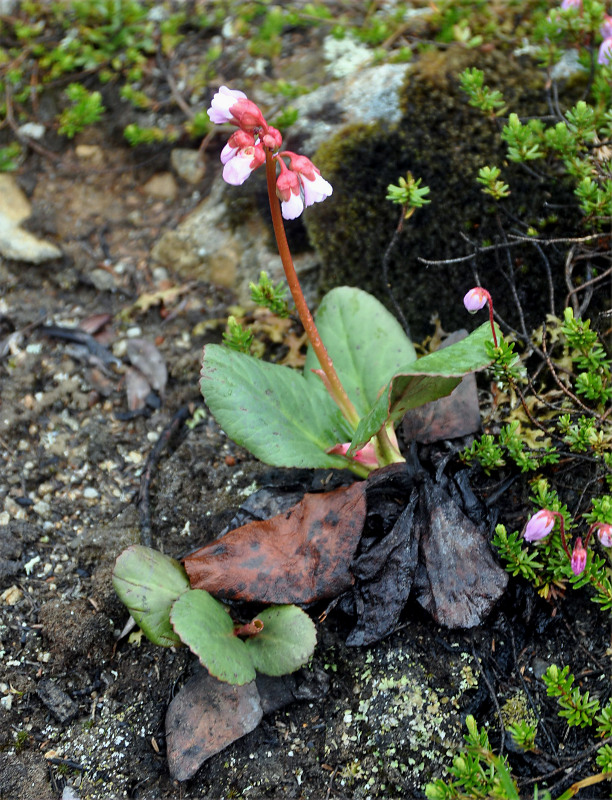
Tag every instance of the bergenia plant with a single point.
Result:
(360, 377)
(361, 373)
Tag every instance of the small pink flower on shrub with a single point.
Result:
(475, 299)
(605, 51)
(604, 534)
(539, 526)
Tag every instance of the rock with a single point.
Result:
(206, 247)
(90, 152)
(370, 95)
(103, 280)
(16, 243)
(161, 186)
(57, 701)
(187, 164)
(14, 205)
(33, 130)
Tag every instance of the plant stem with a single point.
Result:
(387, 446)
(333, 384)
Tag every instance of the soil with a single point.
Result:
(83, 708)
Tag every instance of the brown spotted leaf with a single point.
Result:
(300, 556)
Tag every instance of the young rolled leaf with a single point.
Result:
(429, 378)
(204, 625)
(148, 583)
(286, 642)
(364, 340)
(272, 410)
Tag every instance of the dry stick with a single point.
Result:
(583, 758)
(144, 497)
(557, 380)
(335, 387)
(10, 118)
(385, 271)
(554, 748)
(493, 695)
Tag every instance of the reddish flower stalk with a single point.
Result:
(332, 381)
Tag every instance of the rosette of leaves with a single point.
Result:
(287, 418)
(157, 593)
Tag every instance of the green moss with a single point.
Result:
(443, 141)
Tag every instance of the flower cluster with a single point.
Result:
(542, 523)
(298, 185)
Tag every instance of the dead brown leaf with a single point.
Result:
(300, 556)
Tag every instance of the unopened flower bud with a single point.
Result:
(367, 454)
(288, 191)
(539, 526)
(475, 299)
(579, 557)
(272, 139)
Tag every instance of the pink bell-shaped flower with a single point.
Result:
(219, 111)
(288, 191)
(605, 52)
(475, 299)
(240, 164)
(604, 534)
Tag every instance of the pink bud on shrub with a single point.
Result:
(579, 557)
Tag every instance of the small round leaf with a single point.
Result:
(204, 625)
(286, 642)
(148, 582)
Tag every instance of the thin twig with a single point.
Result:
(385, 271)
(560, 384)
(493, 695)
(554, 748)
(144, 497)
(172, 85)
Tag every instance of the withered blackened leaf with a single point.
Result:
(457, 579)
(205, 717)
(299, 556)
(383, 577)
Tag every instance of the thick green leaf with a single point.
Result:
(272, 410)
(286, 642)
(148, 582)
(365, 342)
(422, 381)
(204, 625)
